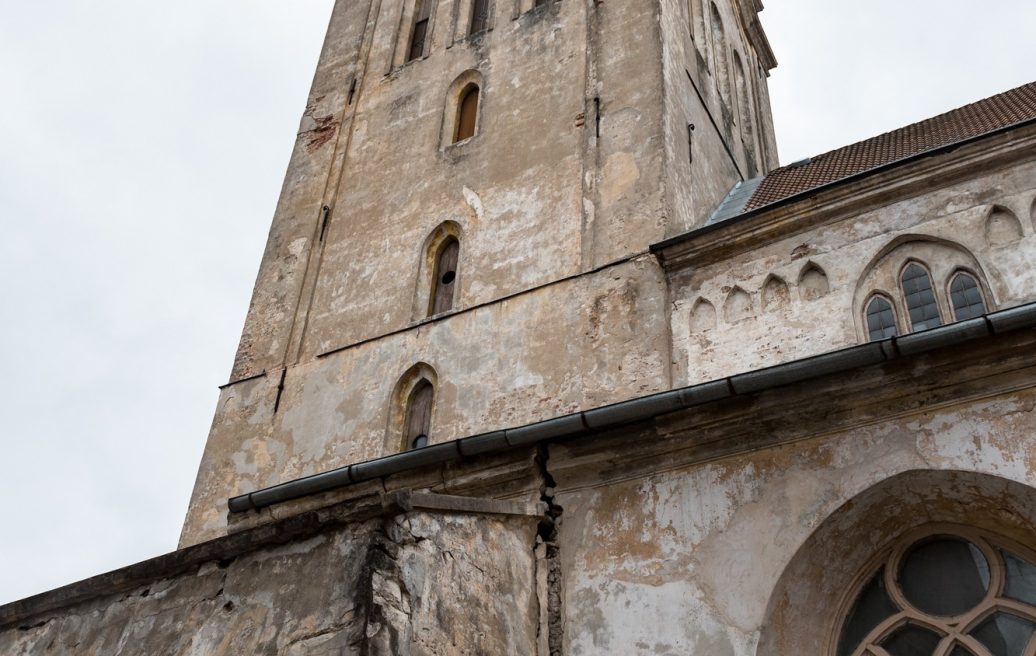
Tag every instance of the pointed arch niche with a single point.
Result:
(438, 280)
(775, 293)
(813, 282)
(411, 420)
(1002, 226)
(859, 560)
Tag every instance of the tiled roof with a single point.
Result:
(969, 121)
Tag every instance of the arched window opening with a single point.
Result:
(966, 297)
(419, 416)
(945, 593)
(479, 16)
(467, 114)
(881, 319)
(920, 298)
(719, 47)
(445, 281)
(419, 34)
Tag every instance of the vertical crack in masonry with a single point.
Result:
(549, 554)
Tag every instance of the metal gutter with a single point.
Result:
(647, 407)
(802, 195)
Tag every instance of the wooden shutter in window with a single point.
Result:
(419, 415)
(417, 39)
(467, 114)
(446, 277)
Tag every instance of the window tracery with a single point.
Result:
(925, 283)
(881, 319)
(922, 307)
(957, 592)
(966, 297)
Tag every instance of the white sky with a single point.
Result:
(142, 148)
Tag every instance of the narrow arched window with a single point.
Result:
(467, 114)
(479, 16)
(445, 281)
(966, 297)
(420, 32)
(881, 320)
(920, 298)
(419, 415)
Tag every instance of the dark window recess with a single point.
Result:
(479, 16)
(419, 415)
(920, 299)
(420, 33)
(1004, 634)
(966, 298)
(911, 641)
(540, 3)
(944, 577)
(881, 320)
(467, 114)
(871, 609)
(445, 277)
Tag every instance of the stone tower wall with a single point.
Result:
(555, 201)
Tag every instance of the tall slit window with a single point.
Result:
(881, 319)
(445, 284)
(467, 114)
(479, 16)
(420, 33)
(966, 297)
(920, 298)
(419, 415)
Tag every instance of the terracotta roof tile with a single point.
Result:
(969, 121)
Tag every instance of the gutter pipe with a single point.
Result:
(647, 407)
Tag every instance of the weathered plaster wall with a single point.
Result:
(728, 143)
(686, 560)
(563, 179)
(419, 584)
(580, 344)
(753, 309)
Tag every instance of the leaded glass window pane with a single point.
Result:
(1004, 634)
(871, 609)
(920, 299)
(966, 298)
(911, 641)
(1021, 579)
(881, 320)
(945, 576)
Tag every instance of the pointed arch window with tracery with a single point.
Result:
(948, 593)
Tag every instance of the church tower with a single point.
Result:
(462, 241)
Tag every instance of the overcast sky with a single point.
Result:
(142, 148)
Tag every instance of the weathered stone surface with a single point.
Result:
(405, 585)
(576, 167)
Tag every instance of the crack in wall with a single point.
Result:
(548, 556)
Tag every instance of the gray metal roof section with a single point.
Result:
(734, 204)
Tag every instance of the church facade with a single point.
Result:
(547, 355)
